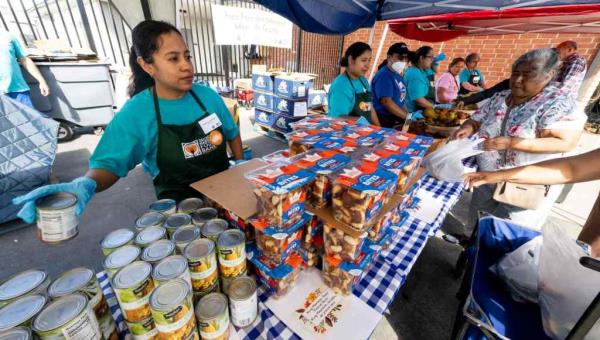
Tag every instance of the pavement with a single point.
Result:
(424, 310)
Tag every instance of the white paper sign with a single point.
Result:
(247, 26)
(313, 311)
(429, 208)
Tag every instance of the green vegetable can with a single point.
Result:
(173, 311)
(212, 313)
(133, 285)
(143, 330)
(67, 318)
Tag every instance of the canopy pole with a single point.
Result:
(381, 41)
(371, 35)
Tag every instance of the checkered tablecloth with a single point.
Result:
(380, 284)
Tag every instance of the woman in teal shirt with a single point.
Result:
(417, 82)
(350, 93)
(176, 129)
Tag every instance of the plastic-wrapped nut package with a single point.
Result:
(280, 279)
(342, 276)
(342, 245)
(277, 244)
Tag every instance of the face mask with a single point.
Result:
(399, 66)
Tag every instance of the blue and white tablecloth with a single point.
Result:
(378, 287)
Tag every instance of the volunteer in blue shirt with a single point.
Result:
(176, 129)
(389, 91)
(350, 94)
(417, 82)
(471, 79)
(12, 82)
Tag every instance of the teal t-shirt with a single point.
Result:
(131, 137)
(465, 74)
(11, 77)
(417, 86)
(341, 95)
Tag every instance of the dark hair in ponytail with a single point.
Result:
(355, 50)
(145, 41)
(415, 56)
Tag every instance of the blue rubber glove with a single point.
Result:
(362, 121)
(443, 106)
(439, 57)
(417, 115)
(237, 162)
(83, 187)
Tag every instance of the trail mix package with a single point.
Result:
(277, 156)
(313, 233)
(276, 244)
(281, 192)
(401, 165)
(280, 279)
(303, 140)
(342, 245)
(358, 195)
(310, 256)
(354, 136)
(335, 143)
(320, 122)
(323, 163)
(342, 276)
(376, 247)
(381, 226)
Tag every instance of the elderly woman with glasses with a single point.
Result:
(531, 122)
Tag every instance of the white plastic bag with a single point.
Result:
(519, 270)
(445, 163)
(566, 288)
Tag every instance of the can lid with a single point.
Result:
(17, 333)
(132, 275)
(122, 257)
(149, 235)
(170, 267)
(199, 248)
(185, 234)
(178, 220)
(241, 288)
(214, 227)
(56, 201)
(190, 205)
(20, 310)
(117, 238)
(163, 205)
(158, 250)
(231, 238)
(169, 295)
(21, 283)
(59, 312)
(70, 282)
(150, 219)
(203, 215)
(211, 306)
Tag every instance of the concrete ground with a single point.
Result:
(425, 309)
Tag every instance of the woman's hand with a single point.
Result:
(459, 104)
(465, 131)
(497, 144)
(475, 179)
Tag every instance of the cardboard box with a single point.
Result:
(293, 86)
(316, 98)
(263, 81)
(263, 101)
(282, 123)
(264, 118)
(289, 107)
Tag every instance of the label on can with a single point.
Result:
(214, 328)
(203, 273)
(232, 261)
(57, 225)
(83, 327)
(178, 323)
(134, 301)
(143, 330)
(244, 312)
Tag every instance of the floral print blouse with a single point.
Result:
(552, 108)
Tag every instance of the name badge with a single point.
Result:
(210, 123)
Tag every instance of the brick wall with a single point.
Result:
(497, 51)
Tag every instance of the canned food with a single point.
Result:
(17, 333)
(213, 228)
(21, 311)
(231, 249)
(226, 281)
(56, 219)
(202, 262)
(171, 268)
(177, 221)
(133, 285)
(116, 239)
(143, 330)
(213, 316)
(184, 235)
(212, 289)
(158, 251)
(120, 258)
(150, 219)
(83, 280)
(189, 205)
(243, 301)
(173, 311)
(165, 206)
(201, 216)
(29, 282)
(69, 317)
(150, 235)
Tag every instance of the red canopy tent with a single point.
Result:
(584, 18)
